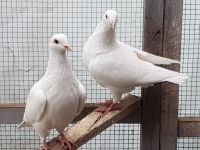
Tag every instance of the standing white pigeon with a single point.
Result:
(119, 67)
(57, 97)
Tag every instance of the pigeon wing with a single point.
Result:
(147, 56)
(82, 97)
(36, 105)
(153, 58)
(123, 68)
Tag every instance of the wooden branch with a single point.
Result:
(189, 127)
(91, 125)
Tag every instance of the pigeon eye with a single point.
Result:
(56, 41)
(106, 16)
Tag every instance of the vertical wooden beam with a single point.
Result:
(152, 42)
(162, 36)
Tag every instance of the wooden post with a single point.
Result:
(162, 36)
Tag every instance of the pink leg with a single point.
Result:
(105, 106)
(45, 147)
(65, 142)
(112, 107)
(105, 110)
(109, 105)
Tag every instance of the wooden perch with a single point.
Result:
(91, 125)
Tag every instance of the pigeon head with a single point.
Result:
(110, 18)
(60, 43)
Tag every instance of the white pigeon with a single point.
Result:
(120, 67)
(57, 97)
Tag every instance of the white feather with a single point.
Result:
(23, 124)
(57, 97)
(121, 68)
(153, 58)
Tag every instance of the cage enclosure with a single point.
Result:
(167, 117)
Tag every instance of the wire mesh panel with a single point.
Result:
(189, 144)
(117, 137)
(25, 29)
(190, 59)
(189, 103)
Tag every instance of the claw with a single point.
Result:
(101, 109)
(45, 147)
(66, 142)
(110, 108)
(109, 105)
(104, 106)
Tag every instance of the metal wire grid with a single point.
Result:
(117, 137)
(188, 143)
(26, 27)
(190, 59)
(189, 103)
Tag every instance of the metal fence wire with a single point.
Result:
(25, 28)
(189, 96)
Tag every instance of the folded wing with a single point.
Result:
(122, 68)
(82, 97)
(35, 106)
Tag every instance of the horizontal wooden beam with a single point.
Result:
(12, 105)
(13, 113)
(94, 123)
(189, 127)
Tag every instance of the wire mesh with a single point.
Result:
(26, 27)
(190, 92)
(189, 99)
(189, 143)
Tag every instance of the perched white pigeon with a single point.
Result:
(57, 97)
(119, 67)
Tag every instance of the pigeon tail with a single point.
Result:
(22, 125)
(178, 79)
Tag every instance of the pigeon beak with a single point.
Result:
(67, 48)
(113, 25)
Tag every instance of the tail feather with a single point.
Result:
(154, 59)
(180, 79)
(23, 124)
